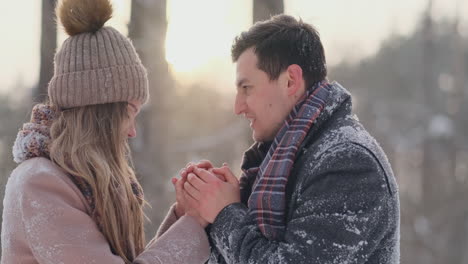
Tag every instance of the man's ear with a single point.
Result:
(295, 79)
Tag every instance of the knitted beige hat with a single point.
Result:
(96, 64)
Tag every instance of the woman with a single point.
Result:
(74, 198)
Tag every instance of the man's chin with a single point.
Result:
(256, 137)
(260, 138)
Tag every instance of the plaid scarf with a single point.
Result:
(33, 141)
(268, 181)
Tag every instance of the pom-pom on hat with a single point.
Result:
(95, 64)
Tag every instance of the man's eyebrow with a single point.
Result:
(241, 82)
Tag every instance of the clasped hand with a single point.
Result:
(203, 191)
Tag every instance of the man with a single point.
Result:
(316, 187)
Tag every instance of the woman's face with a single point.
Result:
(133, 110)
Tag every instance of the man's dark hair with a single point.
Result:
(280, 42)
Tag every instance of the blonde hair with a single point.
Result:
(89, 142)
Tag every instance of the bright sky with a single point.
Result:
(200, 33)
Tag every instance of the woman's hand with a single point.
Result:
(181, 206)
(180, 200)
(204, 164)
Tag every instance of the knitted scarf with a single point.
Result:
(33, 141)
(267, 199)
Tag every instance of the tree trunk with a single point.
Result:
(264, 9)
(430, 177)
(48, 46)
(147, 30)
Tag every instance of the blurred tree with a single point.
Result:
(430, 92)
(13, 112)
(147, 30)
(456, 98)
(264, 9)
(405, 95)
(48, 46)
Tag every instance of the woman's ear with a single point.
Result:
(295, 79)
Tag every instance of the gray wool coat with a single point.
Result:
(342, 201)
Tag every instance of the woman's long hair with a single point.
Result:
(90, 142)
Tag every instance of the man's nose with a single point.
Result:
(239, 105)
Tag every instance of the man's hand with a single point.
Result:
(204, 164)
(208, 194)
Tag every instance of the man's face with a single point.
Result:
(261, 101)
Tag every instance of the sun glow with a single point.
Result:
(200, 32)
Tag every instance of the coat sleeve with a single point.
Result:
(168, 221)
(343, 209)
(59, 230)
